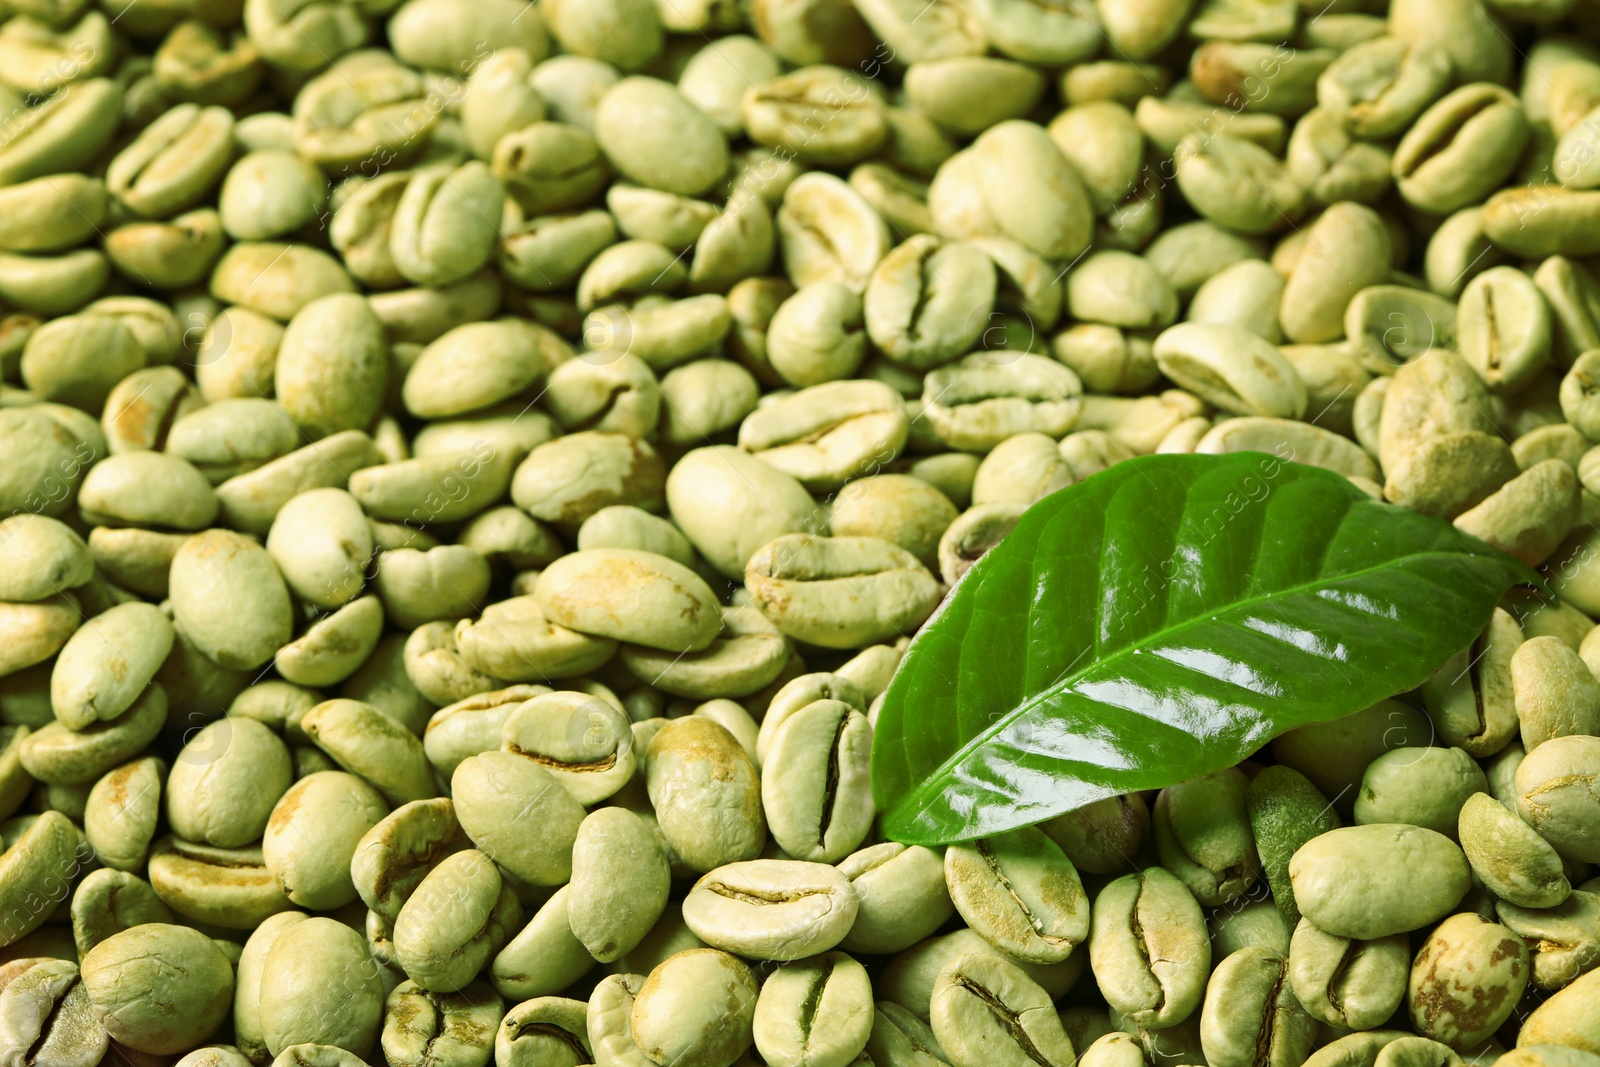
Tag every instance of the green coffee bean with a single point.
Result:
(121, 813)
(729, 504)
(319, 953)
(228, 887)
(901, 896)
(420, 586)
(772, 909)
(1472, 697)
(420, 1026)
(39, 867)
(514, 640)
(1561, 940)
(1407, 1050)
(455, 921)
(107, 663)
(799, 693)
(979, 402)
(814, 1011)
(1346, 881)
(1504, 327)
(1256, 922)
(1479, 122)
(1426, 787)
(107, 902)
(490, 788)
(1246, 294)
(158, 988)
(839, 592)
(985, 1010)
(697, 1007)
(619, 882)
(1021, 893)
(969, 94)
(1332, 164)
(900, 1039)
(545, 957)
(1148, 948)
(1552, 699)
(747, 655)
(681, 134)
(569, 479)
(393, 858)
(445, 223)
(826, 434)
(910, 978)
(1510, 858)
(1529, 515)
(815, 783)
(365, 741)
(1552, 794)
(1251, 1013)
(59, 755)
(307, 852)
(1203, 835)
(783, 112)
(1569, 1015)
(225, 782)
(1460, 1002)
(49, 1013)
(251, 501)
(1286, 811)
(62, 133)
(1354, 249)
(1346, 982)
(609, 1022)
(1231, 368)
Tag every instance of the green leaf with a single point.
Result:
(1162, 620)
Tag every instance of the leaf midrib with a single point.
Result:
(945, 769)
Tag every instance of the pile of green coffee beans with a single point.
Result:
(471, 469)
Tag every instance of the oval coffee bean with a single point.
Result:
(1021, 893)
(706, 793)
(1149, 948)
(986, 1011)
(816, 783)
(1342, 879)
(696, 1007)
(771, 909)
(1251, 1014)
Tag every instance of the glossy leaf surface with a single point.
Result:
(1162, 620)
